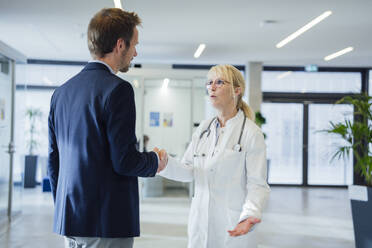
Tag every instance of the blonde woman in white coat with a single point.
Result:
(227, 160)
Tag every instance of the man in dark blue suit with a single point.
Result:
(93, 162)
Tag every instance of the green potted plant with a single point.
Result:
(358, 136)
(33, 116)
(260, 120)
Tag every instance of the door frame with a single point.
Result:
(314, 98)
(14, 57)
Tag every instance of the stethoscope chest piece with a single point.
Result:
(237, 148)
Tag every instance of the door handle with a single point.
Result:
(11, 148)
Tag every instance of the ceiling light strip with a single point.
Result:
(118, 4)
(199, 51)
(304, 29)
(339, 53)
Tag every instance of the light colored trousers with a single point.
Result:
(85, 242)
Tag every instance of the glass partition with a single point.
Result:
(27, 100)
(284, 135)
(5, 131)
(322, 169)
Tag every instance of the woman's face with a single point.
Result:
(221, 93)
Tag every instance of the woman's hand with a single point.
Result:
(244, 226)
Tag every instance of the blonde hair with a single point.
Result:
(235, 77)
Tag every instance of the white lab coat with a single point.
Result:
(229, 185)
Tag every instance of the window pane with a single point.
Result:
(322, 169)
(48, 75)
(283, 129)
(315, 82)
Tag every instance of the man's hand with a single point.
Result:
(163, 158)
(244, 226)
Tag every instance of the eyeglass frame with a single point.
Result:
(209, 83)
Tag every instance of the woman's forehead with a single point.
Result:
(214, 75)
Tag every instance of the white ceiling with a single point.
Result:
(173, 29)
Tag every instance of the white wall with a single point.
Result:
(175, 100)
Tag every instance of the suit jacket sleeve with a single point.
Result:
(120, 129)
(53, 154)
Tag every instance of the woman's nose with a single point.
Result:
(213, 86)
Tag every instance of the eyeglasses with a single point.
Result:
(217, 82)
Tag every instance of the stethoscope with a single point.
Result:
(237, 147)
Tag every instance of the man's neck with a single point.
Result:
(110, 62)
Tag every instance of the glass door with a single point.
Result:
(322, 169)
(299, 152)
(284, 139)
(5, 131)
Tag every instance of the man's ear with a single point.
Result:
(120, 45)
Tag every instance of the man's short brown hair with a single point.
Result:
(107, 26)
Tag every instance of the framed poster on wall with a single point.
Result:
(154, 119)
(168, 120)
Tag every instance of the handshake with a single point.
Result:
(163, 159)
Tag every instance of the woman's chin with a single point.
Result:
(215, 105)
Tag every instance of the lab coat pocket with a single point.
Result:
(231, 165)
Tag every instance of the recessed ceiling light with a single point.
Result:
(118, 4)
(267, 22)
(199, 51)
(304, 29)
(339, 53)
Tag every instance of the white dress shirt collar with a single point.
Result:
(101, 62)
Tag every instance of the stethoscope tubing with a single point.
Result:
(208, 131)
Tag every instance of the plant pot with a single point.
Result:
(30, 171)
(362, 216)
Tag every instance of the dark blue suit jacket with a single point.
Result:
(93, 162)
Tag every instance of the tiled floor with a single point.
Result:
(294, 217)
